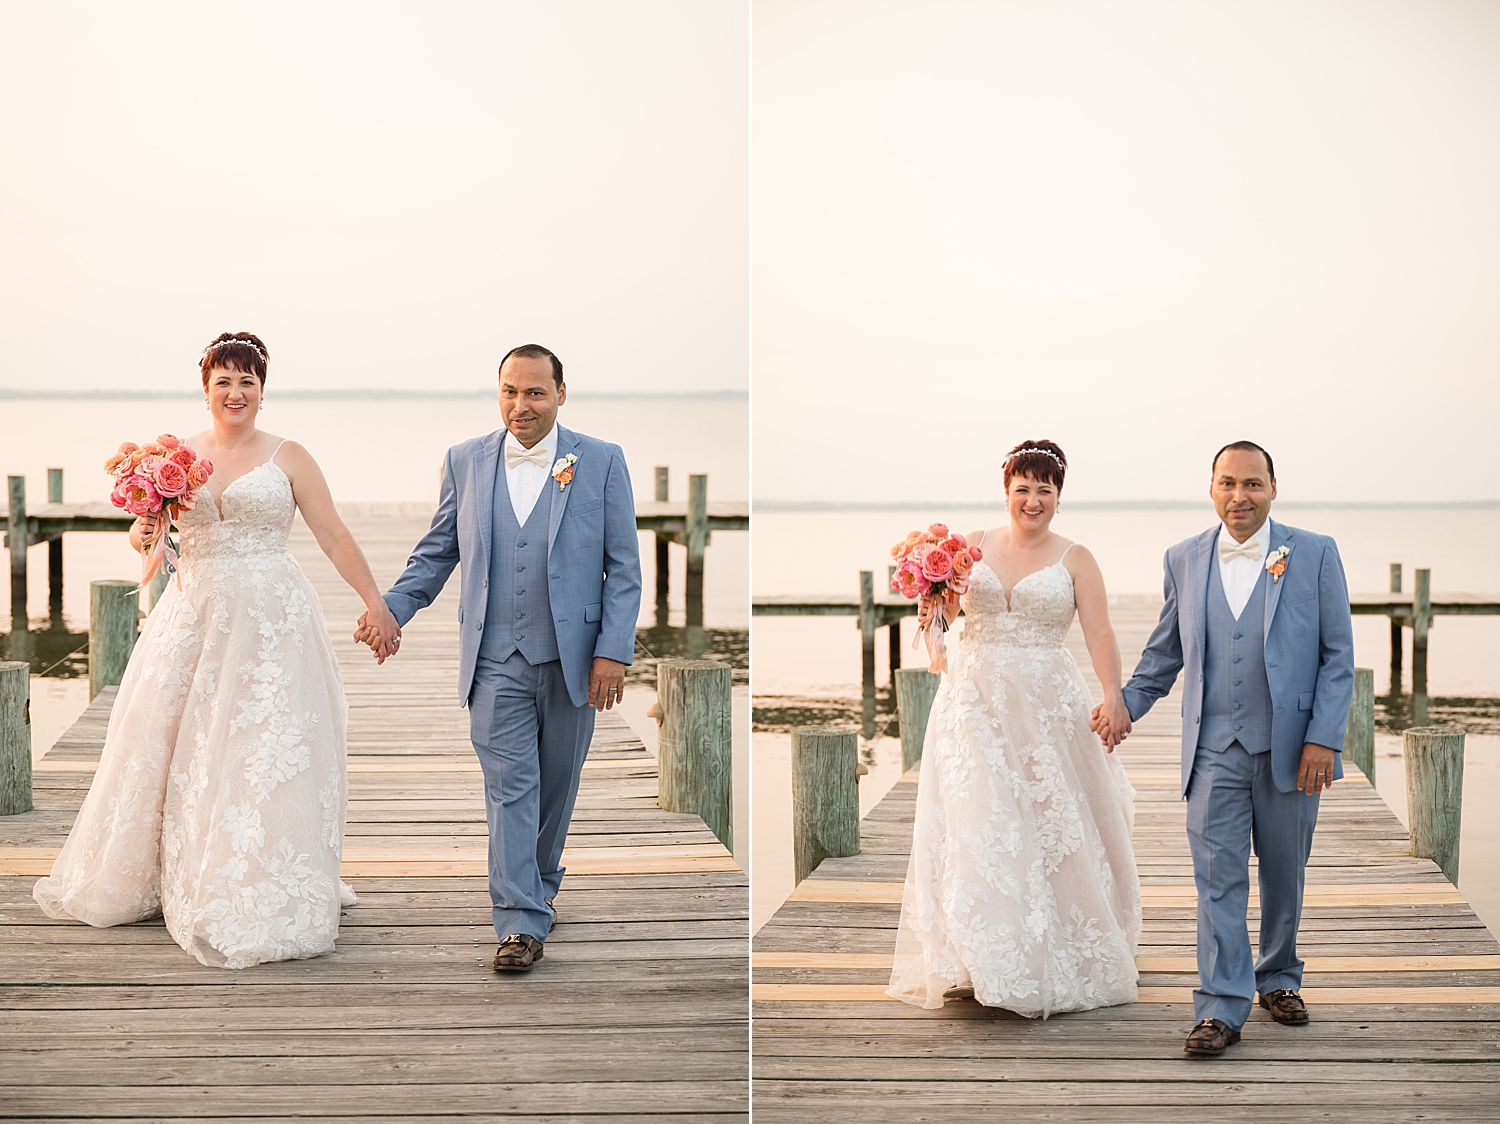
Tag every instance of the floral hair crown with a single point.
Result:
(1034, 449)
(251, 344)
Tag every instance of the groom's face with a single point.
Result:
(529, 398)
(1242, 491)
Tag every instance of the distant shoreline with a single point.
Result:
(781, 507)
(364, 393)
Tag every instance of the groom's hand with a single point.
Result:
(1316, 772)
(606, 683)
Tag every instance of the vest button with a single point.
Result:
(1237, 682)
(1236, 635)
(520, 637)
(521, 545)
(520, 568)
(518, 616)
(480, 626)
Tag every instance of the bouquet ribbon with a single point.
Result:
(934, 615)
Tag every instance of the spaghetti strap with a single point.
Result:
(276, 450)
(1064, 554)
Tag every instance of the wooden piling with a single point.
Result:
(695, 538)
(1434, 793)
(1359, 736)
(694, 745)
(825, 796)
(915, 689)
(663, 557)
(15, 738)
(1397, 641)
(893, 632)
(1421, 622)
(16, 530)
(113, 609)
(55, 546)
(867, 625)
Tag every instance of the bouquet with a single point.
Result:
(934, 565)
(160, 476)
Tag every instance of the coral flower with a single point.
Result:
(208, 466)
(168, 442)
(113, 463)
(197, 475)
(183, 456)
(940, 530)
(141, 496)
(170, 478)
(127, 448)
(937, 565)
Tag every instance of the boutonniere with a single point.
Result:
(1276, 563)
(562, 471)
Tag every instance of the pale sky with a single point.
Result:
(1141, 229)
(390, 194)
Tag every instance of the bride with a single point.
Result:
(1022, 889)
(220, 794)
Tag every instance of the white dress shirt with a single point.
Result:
(526, 480)
(1240, 574)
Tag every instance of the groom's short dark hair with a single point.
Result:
(536, 351)
(1245, 447)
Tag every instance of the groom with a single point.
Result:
(542, 521)
(1257, 614)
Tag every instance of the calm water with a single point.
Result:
(806, 670)
(378, 451)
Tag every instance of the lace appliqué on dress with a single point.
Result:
(220, 797)
(1022, 880)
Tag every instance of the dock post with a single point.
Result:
(1396, 638)
(113, 610)
(694, 763)
(16, 528)
(825, 796)
(1359, 737)
(695, 538)
(663, 556)
(1421, 623)
(1435, 793)
(915, 689)
(894, 631)
(55, 547)
(15, 738)
(867, 650)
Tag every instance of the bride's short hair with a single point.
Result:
(235, 351)
(1037, 460)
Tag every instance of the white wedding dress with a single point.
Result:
(220, 795)
(1022, 882)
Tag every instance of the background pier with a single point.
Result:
(637, 1012)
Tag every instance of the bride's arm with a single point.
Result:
(1099, 636)
(315, 501)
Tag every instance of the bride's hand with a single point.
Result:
(146, 529)
(378, 629)
(1111, 722)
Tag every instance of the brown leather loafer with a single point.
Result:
(1286, 1007)
(517, 953)
(1210, 1038)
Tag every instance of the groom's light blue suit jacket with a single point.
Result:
(1309, 648)
(593, 555)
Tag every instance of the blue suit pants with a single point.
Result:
(531, 742)
(1232, 802)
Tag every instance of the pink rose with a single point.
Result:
(976, 554)
(184, 456)
(170, 478)
(167, 441)
(121, 494)
(954, 543)
(937, 565)
(908, 580)
(150, 463)
(141, 496)
(207, 465)
(938, 529)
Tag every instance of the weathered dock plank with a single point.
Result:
(639, 1011)
(1403, 984)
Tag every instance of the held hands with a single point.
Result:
(1111, 721)
(1316, 771)
(606, 683)
(377, 627)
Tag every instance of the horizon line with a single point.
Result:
(816, 506)
(18, 394)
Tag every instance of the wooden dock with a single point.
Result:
(639, 1011)
(1403, 985)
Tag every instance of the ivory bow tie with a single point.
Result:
(516, 453)
(1228, 549)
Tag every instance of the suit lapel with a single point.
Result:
(1199, 562)
(485, 474)
(567, 442)
(1279, 537)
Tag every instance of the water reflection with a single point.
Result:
(50, 647)
(693, 642)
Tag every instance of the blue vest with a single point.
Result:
(1236, 693)
(518, 613)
